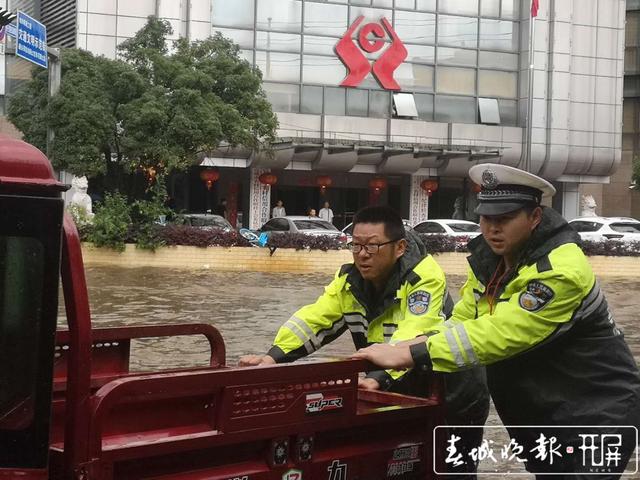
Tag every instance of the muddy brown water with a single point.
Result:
(248, 308)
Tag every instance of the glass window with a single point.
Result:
(457, 56)
(311, 100)
(508, 112)
(424, 104)
(382, 3)
(414, 27)
(499, 60)
(378, 104)
(497, 84)
(510, 9)
(244, 38)
(498, 35)
(406, 4)
(313, 225)
(357, 102)
(415, 77)
(631, 60)
(490, 8)
(283, 97)
(428, 5)
(456, 80)
(582, 226)
(459, 7)
(458, 31)
(238, 13)
(632, 32)
(429, 227)
(282, 15)
(283, 67)
(325, 70)
(246, 55)
(455, 109)
(627, 227)
(500, 8)
(284, 42)
(325, 19)
(319, 45)
(420, 53)
(370, 14)
(334, 101)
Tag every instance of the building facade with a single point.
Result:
(374, 97)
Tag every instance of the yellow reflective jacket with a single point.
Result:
(553, 353)
(414, 302)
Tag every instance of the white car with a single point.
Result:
(453, 228)
(599, 229)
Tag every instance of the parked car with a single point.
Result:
(301, 224)
(454, 228)
(348, 230)
(205, 221)
(599, 229)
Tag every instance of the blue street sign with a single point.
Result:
(31, 43)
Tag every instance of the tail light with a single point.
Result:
(343, 238)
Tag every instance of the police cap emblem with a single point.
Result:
(536, 297)
(489, 179)
(419, 302)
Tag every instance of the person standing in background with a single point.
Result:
(278, 210)
(326, 213)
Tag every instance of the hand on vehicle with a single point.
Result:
(255, 360)
(368, 384)
(386, 355)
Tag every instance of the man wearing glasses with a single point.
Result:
(392, 292)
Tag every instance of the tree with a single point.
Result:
(635, 175)
(153, 109)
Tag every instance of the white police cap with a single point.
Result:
(505, 189)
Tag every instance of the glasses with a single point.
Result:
(370, 248)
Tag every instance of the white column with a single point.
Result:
(259, 199)
(570, 201)
(418, 201)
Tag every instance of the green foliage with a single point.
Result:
(111, 222)
(152, 109)
(81, 219)
(635, 176)
(145, 215)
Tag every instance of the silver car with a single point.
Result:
(205, 221)
(313, 226)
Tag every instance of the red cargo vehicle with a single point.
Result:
(71, 409)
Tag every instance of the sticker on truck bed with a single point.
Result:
(405, 460)
(319, 402)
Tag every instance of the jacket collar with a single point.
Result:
(552, 232)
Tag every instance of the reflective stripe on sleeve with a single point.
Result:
(466, 344)
(453, 346)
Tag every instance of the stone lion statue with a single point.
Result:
(80, 198)
(588, 206)
(458, 209)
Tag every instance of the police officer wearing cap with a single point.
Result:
(533, 313)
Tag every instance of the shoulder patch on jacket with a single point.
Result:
(536, 297)
(418, 302)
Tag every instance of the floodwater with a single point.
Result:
(248, 308)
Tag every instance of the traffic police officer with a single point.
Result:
(532, 311)
(392, 292)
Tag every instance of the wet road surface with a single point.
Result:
(248, 308)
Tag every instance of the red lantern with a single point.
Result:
(268, 179)
(208, 176)
(323, 181)
(475, 187)
(430, 185)
(377, 184)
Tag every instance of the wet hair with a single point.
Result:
(392, 221)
